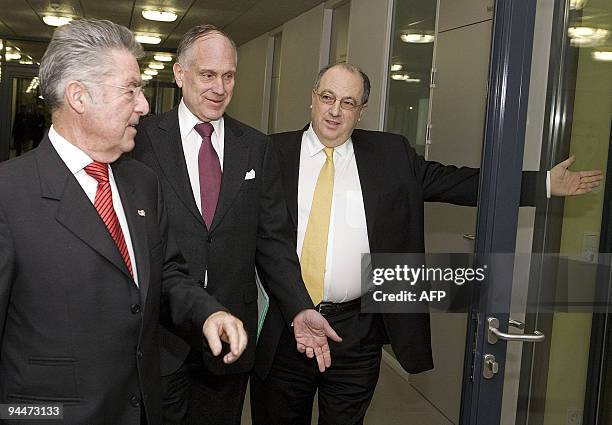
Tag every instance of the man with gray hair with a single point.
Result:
(87, 264)
(226, 208)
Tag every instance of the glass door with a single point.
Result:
(558, 284)
(23, 116)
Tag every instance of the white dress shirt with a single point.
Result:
(191, 146)
(348, 234)
(76, 160)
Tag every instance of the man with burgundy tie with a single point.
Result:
(87, 265)
(226, 210)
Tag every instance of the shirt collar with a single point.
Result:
(315, 146)
(74, 158)
(187, 120)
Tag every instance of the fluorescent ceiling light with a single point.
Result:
(159, 15)
(419, 38)
(587, 36)
(577, 4)
(602, 56)
(56, 20)
(150, 72)
(148, 39)
(396, 67)
(154, 65)
(146, 77)
(1, 45)
(405, 77)
(27, 61)
(12, 56)
(163, 58)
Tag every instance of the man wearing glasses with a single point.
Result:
(350, 192)
(86, 260)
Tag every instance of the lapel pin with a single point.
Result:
(142, 213)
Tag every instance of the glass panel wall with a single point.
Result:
(554, 376)
(412, 49)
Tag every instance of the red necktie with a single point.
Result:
(104, 206)
(210, 173)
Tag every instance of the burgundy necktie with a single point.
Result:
(104, 206)
(210, 173)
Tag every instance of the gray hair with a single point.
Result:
(80, 50)
(193, 35)
(349, 67)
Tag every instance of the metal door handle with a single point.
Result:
(495, 334)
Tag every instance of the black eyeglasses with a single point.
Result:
(346, 103)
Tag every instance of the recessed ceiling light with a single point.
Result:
(602, 56)
(396, 67)
(412, 80)
(146, 77)
(27, 61)
(56, 20)
(148, 39)
(399, 77)
(12, 56)
(587, 36)
(159, 15)
(154, 65)
(418, 38)
(163, 58)
(150, 72)
(577, 4)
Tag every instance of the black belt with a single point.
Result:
(329, 308)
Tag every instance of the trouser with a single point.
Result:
(286, 395)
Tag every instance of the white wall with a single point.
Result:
(300, 52)
(299, 68)
(367, 48)
(247, 103)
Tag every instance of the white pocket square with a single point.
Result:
(250, 175)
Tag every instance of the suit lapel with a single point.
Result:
(290, 148)
(370, 165)
(168, 147)
(75, 210)
(235, 160)
(137, 225)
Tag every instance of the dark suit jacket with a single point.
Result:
(74, 328)
(395, 183)
(250, 227)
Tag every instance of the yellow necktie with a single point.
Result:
(314, 250)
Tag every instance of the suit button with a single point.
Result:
(135, 308)
(134, 401)
(139, 354)
(209, 239)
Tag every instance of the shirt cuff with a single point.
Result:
(548, 184)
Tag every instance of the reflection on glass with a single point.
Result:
(339, 33)
(409, 70)
(581, 113)
(29, 117)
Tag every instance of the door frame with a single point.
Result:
(499, 197)
(10, 71)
